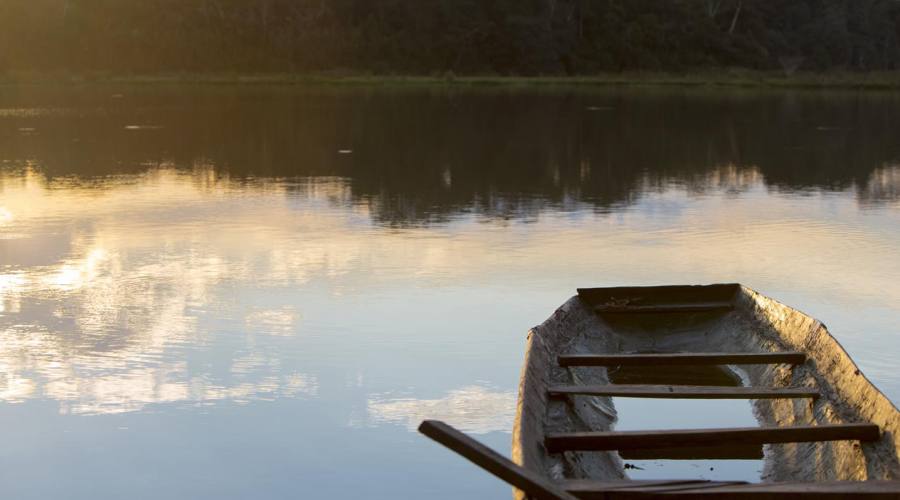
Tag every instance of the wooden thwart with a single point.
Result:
(683, 358)
(627, 489)
(666, 308)
(622, 490)
(829, 489)
(590, 441)
(682, 391)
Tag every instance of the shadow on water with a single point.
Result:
(417, 156)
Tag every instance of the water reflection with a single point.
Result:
(420, 155)
(475, 409)
(883, 186)
(235, 255)
(101, 308)
(107, 284)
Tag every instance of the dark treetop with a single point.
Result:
(435, 36)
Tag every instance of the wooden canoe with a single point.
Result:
(820, 420)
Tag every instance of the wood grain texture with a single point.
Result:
(708, 490)
(682, 391)
(593, 441)
(665, 308)
(682, 358)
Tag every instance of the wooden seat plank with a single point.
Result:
(688, 307)
(682, 391)
(615, 490)
(626, 489)
(590, 441)
(625, 484)
(683, 358)
(826, 489)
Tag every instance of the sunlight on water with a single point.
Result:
(302, 314)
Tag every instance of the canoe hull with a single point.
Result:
(755, 324)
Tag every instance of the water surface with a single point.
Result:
(259, 292)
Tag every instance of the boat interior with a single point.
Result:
(818, 419)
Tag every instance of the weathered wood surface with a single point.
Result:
(665, 308)
(619, 489)
(587, 441)
(625, 490)
(533, 484)
(848, 396)
(659, 294)
(785, 490)
(683, 358)
(682, 391)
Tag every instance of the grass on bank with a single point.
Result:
(725, 78)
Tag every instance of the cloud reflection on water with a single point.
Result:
(106, 327)
(474, 409)
(108, 285)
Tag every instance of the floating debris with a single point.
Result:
(345, 151)
(143, 127)
(599, 108)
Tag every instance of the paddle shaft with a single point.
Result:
(529, 482)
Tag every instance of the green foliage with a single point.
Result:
(505, 37)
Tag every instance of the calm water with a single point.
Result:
(260, 292)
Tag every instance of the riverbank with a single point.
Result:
(727, 78)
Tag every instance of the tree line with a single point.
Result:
(503, 37)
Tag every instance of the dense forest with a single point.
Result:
(502, 37)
